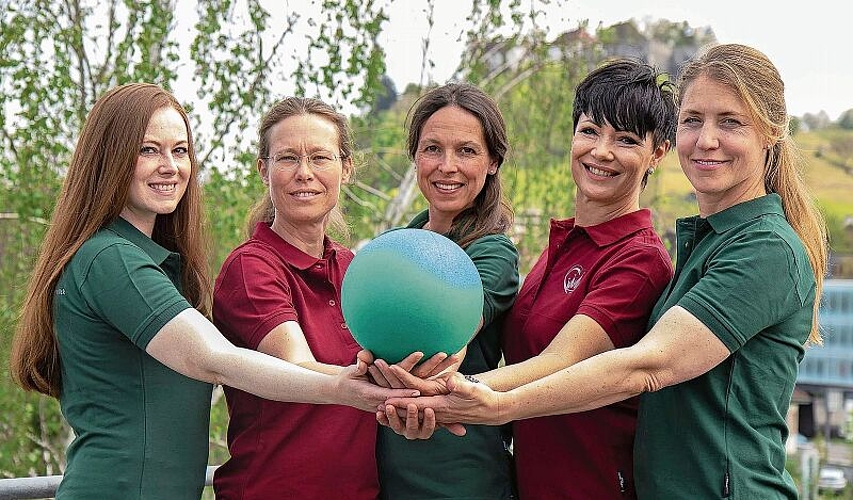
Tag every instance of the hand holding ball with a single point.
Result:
(412, 290)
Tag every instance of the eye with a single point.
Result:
(287, 158)
(629, 140)
(432, 149)
(691, 121)
(148, 151)
(467, 151)
(322, 157)
(586, 131)
(181, 152)
(730, 123)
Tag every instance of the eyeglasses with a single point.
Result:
(318, 160)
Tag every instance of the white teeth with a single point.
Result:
(304, 194)
(439, 185)
(707, 162)
(598, 171)
(163, 188)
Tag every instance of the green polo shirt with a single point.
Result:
(744, 273)
(141, 429)
(475, 466)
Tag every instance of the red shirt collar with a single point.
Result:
(292, 255)
(606, 233)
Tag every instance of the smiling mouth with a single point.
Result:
(447, 186)
(600, 172)
(304, 194)
(164, 188)
(708, 163)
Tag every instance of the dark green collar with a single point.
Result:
(420, 220)
(738, 214)
(129, 232)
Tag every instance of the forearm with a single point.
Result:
(192, 346)
(319, 367)
(272, 378)
(580, 338)
(593, 383)
(511, 376)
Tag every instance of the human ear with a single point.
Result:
(346, 172)
(493, 168)
(263, 171)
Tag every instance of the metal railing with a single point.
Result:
(29, 488)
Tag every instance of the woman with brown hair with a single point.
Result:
(458, 141)
(114, 324)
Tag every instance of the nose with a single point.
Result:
(707, 138)
(168, 163)
(602, 150)
(448, 163)
(303, 170)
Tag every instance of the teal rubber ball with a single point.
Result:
(412, 290)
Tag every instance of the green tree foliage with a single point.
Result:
(227, 60)
(56, 58)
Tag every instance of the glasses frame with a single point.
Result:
(291, 166)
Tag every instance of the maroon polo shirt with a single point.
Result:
(612, 272)
(291, 450)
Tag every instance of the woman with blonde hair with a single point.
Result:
(279, 293)
(114, 324)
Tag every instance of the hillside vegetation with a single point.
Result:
(670, 195)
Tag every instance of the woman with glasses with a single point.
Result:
(114, 324)
(279, 293)
(457, 139)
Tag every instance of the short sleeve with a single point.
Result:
(251, 298)
(496, 259)
(622, 295)
(750, 284)
(124, 287)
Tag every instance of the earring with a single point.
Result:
(650, 171)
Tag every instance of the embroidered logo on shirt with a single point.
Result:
(572, 279)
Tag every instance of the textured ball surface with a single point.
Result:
(412, 290)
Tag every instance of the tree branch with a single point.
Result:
(255, 82)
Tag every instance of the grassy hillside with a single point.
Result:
(670, 195)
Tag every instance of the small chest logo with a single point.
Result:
(572, 279)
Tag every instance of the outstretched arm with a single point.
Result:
(192, 346)
(678, 348)
(580, 338)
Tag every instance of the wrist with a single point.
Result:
(505, 407)
(330, 388)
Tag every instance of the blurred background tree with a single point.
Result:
(233, 62)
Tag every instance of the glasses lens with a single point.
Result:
(320, 160)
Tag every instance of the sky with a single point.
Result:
(809, 42)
